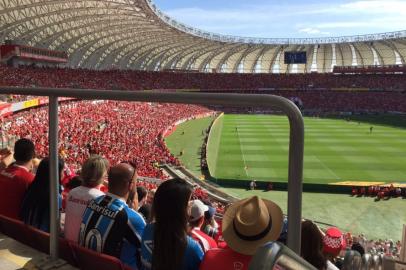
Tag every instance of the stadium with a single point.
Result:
(315, 126)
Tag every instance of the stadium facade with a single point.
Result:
(135, 34)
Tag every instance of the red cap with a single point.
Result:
(333, 241)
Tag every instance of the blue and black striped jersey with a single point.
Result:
(109, 226)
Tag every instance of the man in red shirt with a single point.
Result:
(247, 225)
(15, 179)
(196, 220)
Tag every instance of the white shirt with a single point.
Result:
(76, 203)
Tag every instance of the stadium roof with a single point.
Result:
(135, 34)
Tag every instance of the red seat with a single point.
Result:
(89, 259)
(70, 252)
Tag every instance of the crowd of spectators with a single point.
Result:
(171, 225)
(104, 211)
(379, 192)
(142, 80)
(117, 130)
(14, 98)
(321, 95)
(330, 102)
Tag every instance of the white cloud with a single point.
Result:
(299, 20)
(313, 31)
(375, 6)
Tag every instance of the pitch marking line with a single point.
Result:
(328, 169)
(242, 153)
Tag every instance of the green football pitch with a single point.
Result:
(383, 219)
(244, 147)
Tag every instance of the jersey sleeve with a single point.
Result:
(135, 228)
(133, 232)
(194, 254)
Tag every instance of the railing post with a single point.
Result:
(54, 177)
(296, 147)
(295, 179)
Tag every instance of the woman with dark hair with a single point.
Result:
(35, 209)
(165, 243)
(312, 245)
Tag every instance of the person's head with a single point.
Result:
(94, 170)
(358, 247)
(142, 194)
(36, 201)
(209, 214)
(250, 223)
(145, 211)
(76, 181)
(283, 237)
(123, 180)
(312, 245)
(170, 212)
(24, 151)
(42, 176)
(197, 210)
(333, 242)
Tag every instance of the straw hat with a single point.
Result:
(250, 223)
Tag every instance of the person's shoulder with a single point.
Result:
(214, 252)
(216, 257)
(148, 232)
(20, 174)
(192, 244)
(95, 192)
(75, 191)
(134, 216)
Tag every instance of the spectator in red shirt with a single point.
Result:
(16, 178)
(196, 220)
(247, 225)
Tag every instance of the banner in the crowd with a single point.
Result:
(18, 106)
(30, 103)
(5, 109)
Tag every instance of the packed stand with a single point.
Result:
(318, 92)
(116, 130)
(142, 80)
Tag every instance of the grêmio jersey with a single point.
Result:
(191, 259)
(109, 226)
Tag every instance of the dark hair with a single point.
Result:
(35, 209)
(75, 182)
(357, 247)
(24, 150)
(142, 193)
(170, 230)
(145, 210)
(312, 245)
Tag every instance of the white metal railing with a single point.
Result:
(296, 141)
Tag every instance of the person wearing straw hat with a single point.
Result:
(247, 225)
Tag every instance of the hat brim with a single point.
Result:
(249, 247)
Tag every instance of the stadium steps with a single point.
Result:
(212, 189)
(36, 245)
(15, 255)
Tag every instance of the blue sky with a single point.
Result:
(289, 18)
